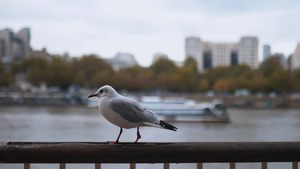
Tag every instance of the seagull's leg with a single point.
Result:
(121, 130)
(117, 141)
(138, 135)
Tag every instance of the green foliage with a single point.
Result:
(192, 63)
(126, 79)
(203, 85)
(5, 77)
(163, 65)
(36, 75)
(242, 71)
(144, 78)
(102, 78)
(35, 69)
(217, 73)
(79, 77)
(90, 67)
(280, 80)
(15, 68)
(258, 84)
(187, 79)
(59, 73)
(30, 62)
(269, 66)
(296, 80)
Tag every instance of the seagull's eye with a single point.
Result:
(101, 91)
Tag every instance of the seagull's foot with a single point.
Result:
(112, 142)
(138, 137)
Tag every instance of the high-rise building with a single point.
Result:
(14, 47)
(266, 51)
(209, 55)
(295, 58)
(193, 48)
(24, 36)
(248, 51)
(222, 54)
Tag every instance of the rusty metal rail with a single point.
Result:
(179, 152)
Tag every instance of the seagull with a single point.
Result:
(126, 113)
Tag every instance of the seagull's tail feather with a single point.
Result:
(167, 126)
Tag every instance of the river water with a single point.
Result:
(80, 124)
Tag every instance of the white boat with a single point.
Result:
(188, 110)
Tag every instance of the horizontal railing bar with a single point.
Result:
(178, 152)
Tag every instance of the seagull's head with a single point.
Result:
(104, 91)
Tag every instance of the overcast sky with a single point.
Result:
(144, 27)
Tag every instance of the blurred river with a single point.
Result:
(75, 124)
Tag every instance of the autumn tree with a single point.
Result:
(5, 77)
(242, 71)
(164, 70)
(203, 85)
(296, 79)
(15, 68)
(192, 63)
(258, 83)
(126, 79)
(87, 69)
(280, 81)
(217, 73)
(187, 79)
(79, 77)
(101, 78)
(163, 65)
(35, 69)
(30, 62)
(144, 78)
(269, 66)
(59, 73)
(239, 83)
(221, 85)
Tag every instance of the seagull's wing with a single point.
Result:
(133, 112)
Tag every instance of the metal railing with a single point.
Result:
(166, 153)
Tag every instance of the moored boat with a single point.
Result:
(189, 111)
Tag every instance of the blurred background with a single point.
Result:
(217, 70)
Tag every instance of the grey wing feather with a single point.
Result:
(132, 111)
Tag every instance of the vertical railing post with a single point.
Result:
(199, 165)
(232, 165)
(26, 165)
(264, 165)
(62, 166)
(166, 165)
(132, 165)
(295, 165)
(98, 166)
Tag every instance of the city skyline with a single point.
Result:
(145, 28)
(15, 46)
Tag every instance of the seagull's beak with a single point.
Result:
(92, 95)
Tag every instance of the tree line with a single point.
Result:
(91, 71)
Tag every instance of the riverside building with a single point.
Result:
(209, 55)
(14, 46)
